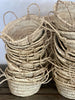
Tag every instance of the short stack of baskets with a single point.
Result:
(27, 41)
(64, 48)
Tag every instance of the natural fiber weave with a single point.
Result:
(27, 41)
(25, 86)
(18, 24)
(65, 88)
(64, 53)
(24, 64)
(64, 12)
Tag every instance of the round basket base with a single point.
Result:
(66, 91)
(23, 90)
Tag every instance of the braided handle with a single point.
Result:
(50, 20)
(6, 14)
(35, 5)
(3, 34)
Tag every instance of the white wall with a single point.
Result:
(20, 8)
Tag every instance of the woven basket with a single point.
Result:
(24, 64)
(64, 13)
(65, 75)
(67, 50)
(62, 76)
(27, 66)
(67, 42)
(32, 53)
(64, 60)
(35, 56)
(65, 66)
(68, 35)
(17, 27)
(65, 89)
(22, 89)
(27, 41)
(43, 78)
(24, 86)
(26, 59)
(44, 38)
(21, 26)
(28, 76)
(62, 52)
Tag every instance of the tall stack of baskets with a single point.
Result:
(27, 41)
(64, 48)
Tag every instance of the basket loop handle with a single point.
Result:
(49, 14)
(57, 4)
(28, 12)
(50, 21)
(7, 13)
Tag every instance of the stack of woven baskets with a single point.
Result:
(64, 48)
(30, 50)
(27, 41)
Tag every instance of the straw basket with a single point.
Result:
(26, 66)
(64, 88)
(63, 26)
(61, 51)
(40, 41)
(64, 15)
(31, 54)
(68, 35)
(22, 24)
(65, 48)
(26, 30)
(25, 63)
(28, 76)
(22, 89)
(27, 41)
(69, 43)
(24, 86)
(64, 60)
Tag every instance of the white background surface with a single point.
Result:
(20, 8)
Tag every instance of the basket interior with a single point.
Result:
(23, 28)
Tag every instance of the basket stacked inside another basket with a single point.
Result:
(64, 48)
(27, 41)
